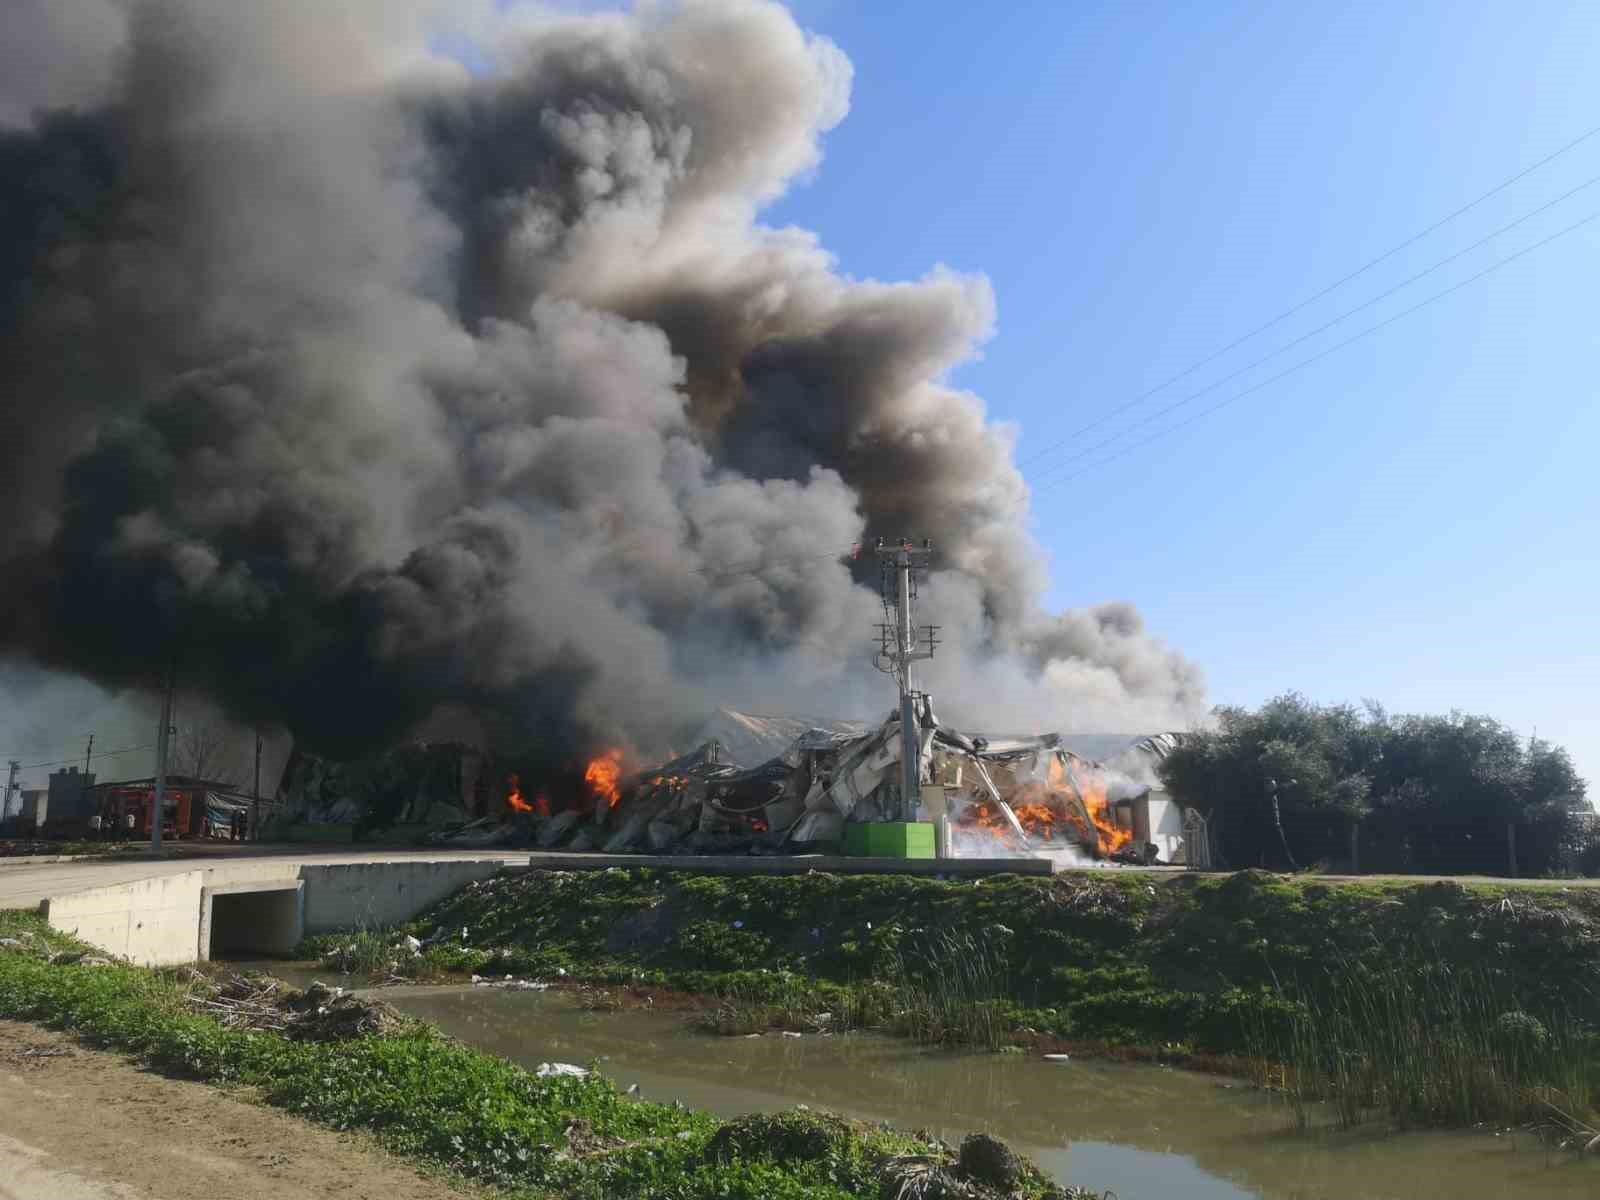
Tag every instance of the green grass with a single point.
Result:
(1210, 964)
(449, 1105)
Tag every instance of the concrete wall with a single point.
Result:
(348, 895)
(169, 919)
(153, 922)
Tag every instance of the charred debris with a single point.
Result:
(985, 797)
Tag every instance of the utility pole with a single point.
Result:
(901, 644)
(255, 805)
(159, 802)
(88, 755)
(11, 782)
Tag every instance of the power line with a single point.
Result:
(1329, 324)
(1306, 362)
(1309, 300)
(60, 762)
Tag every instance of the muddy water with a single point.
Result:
(1144, 1132)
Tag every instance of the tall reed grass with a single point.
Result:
(953, 991)
(1423, 1044)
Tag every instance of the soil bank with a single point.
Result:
(83, 1123)
(1187, 962)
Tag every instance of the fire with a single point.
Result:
(1111, 836)
(514, 795)
(602, 774)
(1039, 820)
(1048, 811)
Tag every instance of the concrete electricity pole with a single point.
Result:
(901, 646)
(11, 782)
(159, 803)
(88, 757)
(255, 806)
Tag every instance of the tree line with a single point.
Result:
(1296, 784)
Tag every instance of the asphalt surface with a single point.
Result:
(24, 882)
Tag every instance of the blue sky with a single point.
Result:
(1411, 519)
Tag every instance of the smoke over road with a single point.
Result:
(369, 384)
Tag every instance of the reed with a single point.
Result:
(951, 992)
(1427, 1044)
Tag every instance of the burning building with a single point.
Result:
(989, 797)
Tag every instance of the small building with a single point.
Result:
(1154, 818)
(71, 795)
(35, 807)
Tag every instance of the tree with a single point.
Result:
(208, 751)
(1423, 793)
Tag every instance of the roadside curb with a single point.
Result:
(44, 860)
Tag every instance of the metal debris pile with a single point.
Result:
(990, 796)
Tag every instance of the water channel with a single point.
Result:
(1145, 1133)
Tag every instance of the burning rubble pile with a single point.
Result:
(998, 796)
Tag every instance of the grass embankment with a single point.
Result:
(1249, 965)
(449, 1105)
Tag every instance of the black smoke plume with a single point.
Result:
(364, 384)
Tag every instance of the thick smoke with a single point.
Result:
(364, 384)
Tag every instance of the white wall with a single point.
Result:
(153, 922)
(352, 895)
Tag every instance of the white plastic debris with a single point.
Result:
(411, 944)
(561, 1071)
(791, 1033)
(1058, 1058)
(738, 924)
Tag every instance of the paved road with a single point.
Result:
(24, 884)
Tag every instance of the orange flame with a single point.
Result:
(602, 774)
(1049, 811)
(514, 795)
(1111, 836)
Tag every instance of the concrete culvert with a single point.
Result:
(248, 920)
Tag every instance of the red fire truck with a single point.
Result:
(185, 809)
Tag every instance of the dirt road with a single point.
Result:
(78, 1124)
